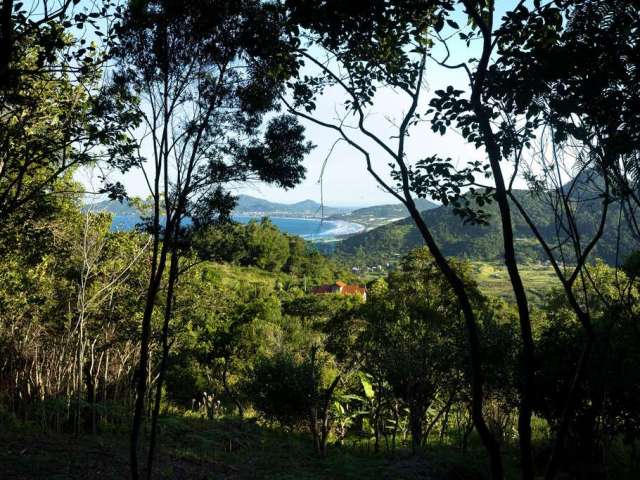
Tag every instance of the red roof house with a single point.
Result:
(341, 288)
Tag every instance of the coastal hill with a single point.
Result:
(248, 205)
(389, 234)
(370, 217)
(378, 215)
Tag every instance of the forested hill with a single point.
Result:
(391, 241)
(377, 215)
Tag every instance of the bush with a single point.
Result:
(280, 389)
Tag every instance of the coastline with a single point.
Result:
(318, 230)
(338, 228)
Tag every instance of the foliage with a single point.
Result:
(281, 388)
(261, 244)
(605, 406)
(217, 317)
(79, 294)
(413, 336)
(482, 242)
(55, 114)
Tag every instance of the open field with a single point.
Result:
(493, 279)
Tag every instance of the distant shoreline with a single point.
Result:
(341, 228)
(317, 229)
(283, 215)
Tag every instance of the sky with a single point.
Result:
(345, 181)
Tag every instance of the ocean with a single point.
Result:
(311, 229)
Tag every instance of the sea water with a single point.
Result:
(314, 229)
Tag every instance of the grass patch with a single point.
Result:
(493, 279)
(193, 448)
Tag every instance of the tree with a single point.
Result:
(19, 22)
(512, 80)
(297, 380)
(603, 405)
(544, 76)
(580, 96)
(266, 247)
(199, 84)
(280, 389)
(413, 336)
(358, 49)
(69, 296)
(54, 114)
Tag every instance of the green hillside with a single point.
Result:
(493, 280)
(479, 242)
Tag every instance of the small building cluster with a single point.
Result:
(371, 269)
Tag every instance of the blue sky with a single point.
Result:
(346, 181)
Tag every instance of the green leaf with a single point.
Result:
(453, 24)
(368, 388)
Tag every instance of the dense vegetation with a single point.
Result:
(249, 342)
(195, 347)
(483, 242)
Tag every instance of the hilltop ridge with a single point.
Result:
(248, 204)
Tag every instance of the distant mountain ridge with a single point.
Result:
(113, 206)
(248, 205)
(370, 217)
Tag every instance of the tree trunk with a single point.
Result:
(6, 42)
(527, 364)
(473, 338)
(313, 428)
(396, 419)
(465, 438)
(433, 422)
(376, 434)
(493, 151)
(157, 269)
(567, 414)
(445, 424)
(90, 420)
(326, 424)
(416, 417)
(313, 411)
(173, 277)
